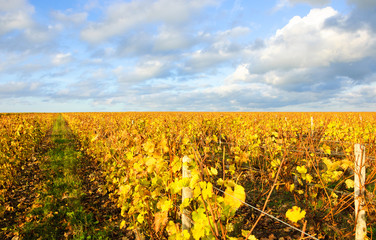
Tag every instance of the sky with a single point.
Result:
(187, 55)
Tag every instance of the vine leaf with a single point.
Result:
(233, 196)
(295, 214)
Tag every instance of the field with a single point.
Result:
(119, 175)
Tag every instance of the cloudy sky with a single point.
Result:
(187, 55)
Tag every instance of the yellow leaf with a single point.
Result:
(140, 218)
(160, 220)
(194, 180)
(185, 203)
(150, 161)
(163, 144)
(186, 235)
(327, 149)
(94, 138)
(207, 190)
(137, 167)
(220, 181)
(275, 163)
(295, 214)
(185, 141)
(327, 162)
(232, 197)
(213, 171)
(333, 195)
(129, 155)
(124, 189)
(149, 146)
(349, 183)
(250, 237)
(171, 228)
(301, 170)
(309, 178)
(166, 206)
(346, 164)
(122, 224)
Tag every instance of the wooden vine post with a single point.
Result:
(359, 185)
(186, 193)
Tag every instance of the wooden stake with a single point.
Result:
(359, 180)
(186, 193)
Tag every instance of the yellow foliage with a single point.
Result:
(250, 237)
(122, 224)
(295, 214)
(292, 187)
(349, 183)
(301, 170)
(232, 197)
(149, 146)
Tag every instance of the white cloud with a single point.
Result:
(91, 4)
(145, 70)
(172, 57)
(13, 86)
(240, 74)
(171, 39)
(204, 60)
(40, 34)
(235, 32)
(308, 63)
(311, 2)
(19, 89)
(98, 74)
(222, 47)
(357, 98)
(6, 5)
(286, 3)
(22, 63)
(15, 15)
(123, 16)
(363, 3)
(61, 58)
(18, 16)
(307, 42)
(70, 17)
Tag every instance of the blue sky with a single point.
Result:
(187, 55)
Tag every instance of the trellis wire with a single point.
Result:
(267, 214)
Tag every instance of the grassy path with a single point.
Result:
(60, 195)
(57, 212)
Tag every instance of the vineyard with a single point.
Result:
(251, 175)
(20, 136)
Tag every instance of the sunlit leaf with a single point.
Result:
(301, 169)
(349, 183)
(234, 198)
(295, 214)
(122, 224)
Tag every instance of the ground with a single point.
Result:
(59, 195)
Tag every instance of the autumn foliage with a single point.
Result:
(238, 153)
(299, 172)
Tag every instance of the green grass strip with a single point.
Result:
(58, 212)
